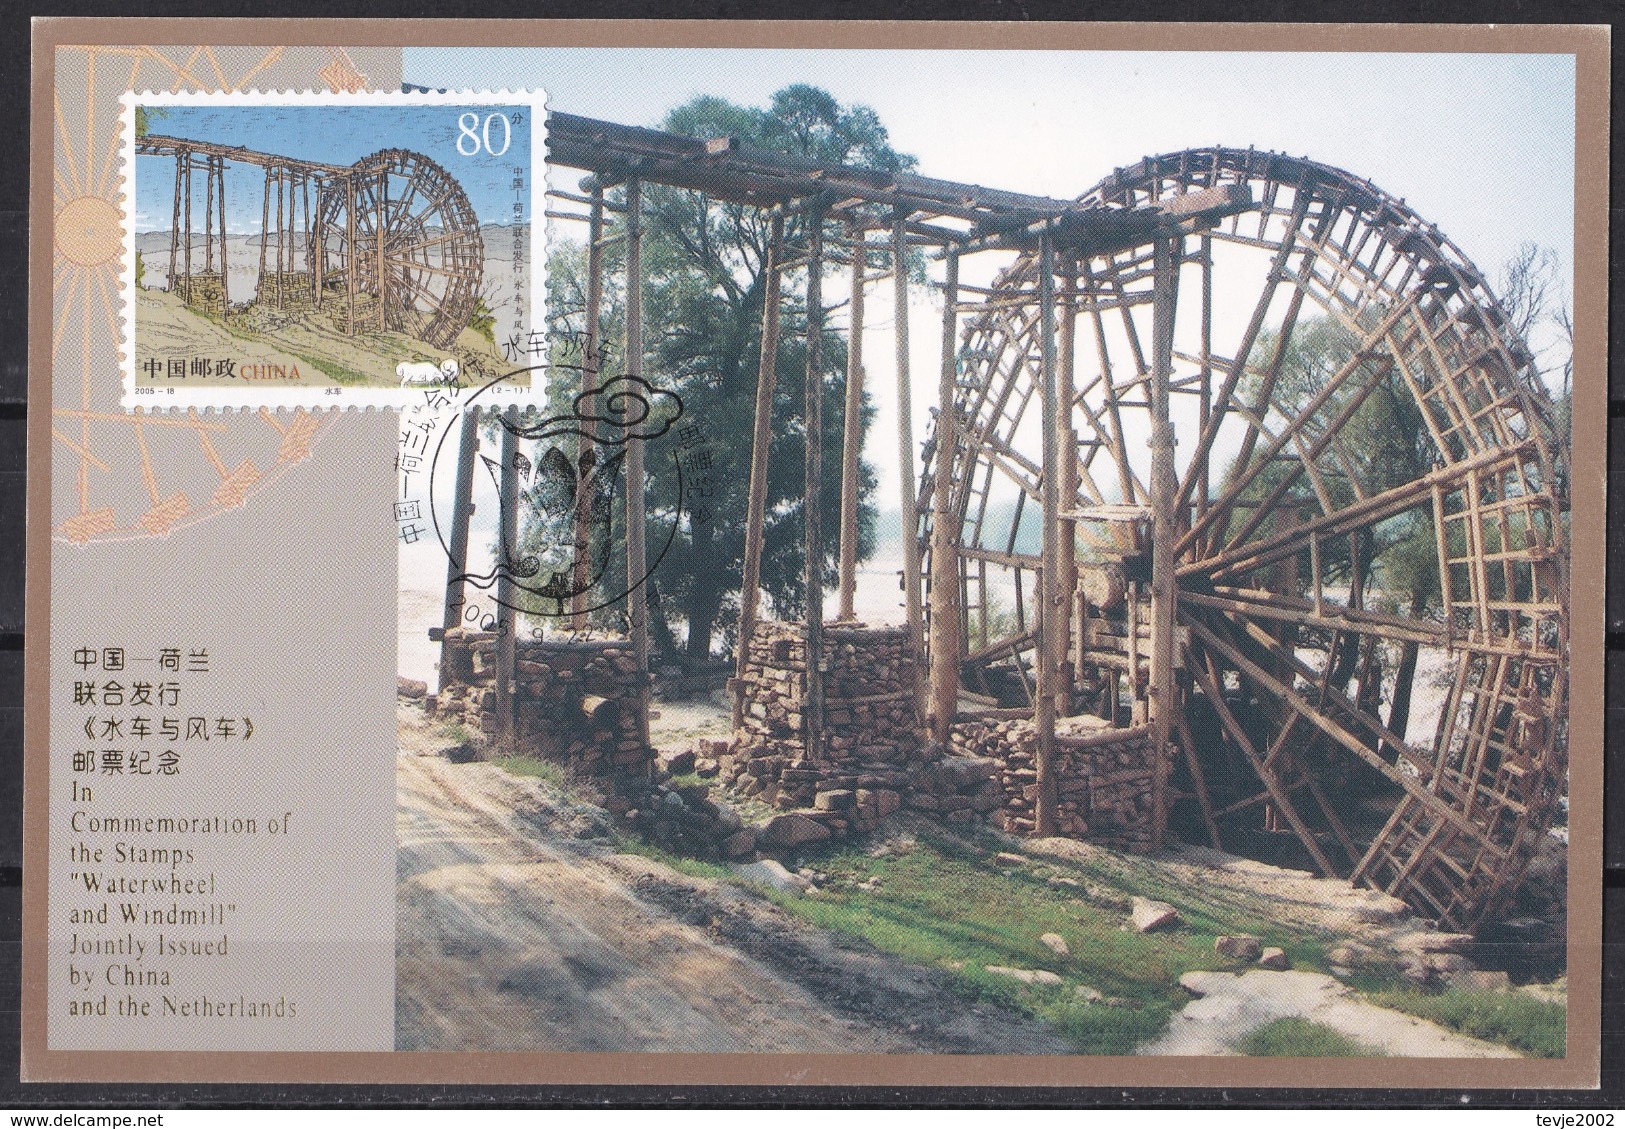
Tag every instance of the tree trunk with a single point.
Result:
(704, 596)
(1348, 652)
(1399, 714)
(665, 642)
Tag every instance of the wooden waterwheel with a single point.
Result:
(1369, 526)
(400, 216)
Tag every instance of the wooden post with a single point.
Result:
(591, 351)
(351, 261)
(767, 375)
(175, 223)
(281, 181)
(188, 227)
(380, 222)
(310, 262)
(1204, 481)
(1045, 646)
(265, 237)
(508, 547)
(945, 626)
(318, 270)
(462, 511)
(1164, 527)
(905, 437)
(208, 214)
(852, 434)
(636, 566)
(1067, 562)
(813, 467)
(220, 189)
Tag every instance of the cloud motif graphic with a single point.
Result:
(623, 408)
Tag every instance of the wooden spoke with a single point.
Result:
(1365, 476)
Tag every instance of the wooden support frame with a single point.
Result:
(591, 361)
(507, 616)
(946, 646)
(1336, 248)
(636, 551)
(852, 431)
(462, 513)
(1164, 530)
(905, 437)
(767, 379)
(812, 488)
(1049, 623)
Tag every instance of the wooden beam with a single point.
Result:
(1164, 487)
(591, 361)
(508, 544)
(767, 373)
(1249, 602)
(1207, 676)
(905, 440)
(1255, 325)
(1046, 654)
(1359, 515)
(1337, 732)
(462, 510)
(220, 189)
(812, 486)
(636, 559)
(944, 640)
(1066, 528)
(852, 437)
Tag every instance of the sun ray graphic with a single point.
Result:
(121, 475)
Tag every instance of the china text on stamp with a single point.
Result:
(331, 250)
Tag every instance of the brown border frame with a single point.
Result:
(1581, 1068)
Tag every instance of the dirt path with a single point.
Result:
(520, 928)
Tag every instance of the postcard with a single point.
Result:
(588, 552)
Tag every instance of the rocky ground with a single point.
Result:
(525, 924)
(521, 927)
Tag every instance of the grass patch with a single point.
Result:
(553, 774)
(342, 374)
(1534, 1026)
(694, 868)
(456, 732)
(946, 903)
(1296, 1037)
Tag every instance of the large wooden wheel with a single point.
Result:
(432, 254)
(1371, 558)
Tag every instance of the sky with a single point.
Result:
(1480, 144)
(336, 135)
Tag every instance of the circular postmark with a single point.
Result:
(549, 490)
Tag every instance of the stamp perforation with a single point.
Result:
(389, 271)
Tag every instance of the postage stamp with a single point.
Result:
(331, 250)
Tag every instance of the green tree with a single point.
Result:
(705, 263)
(145, 116)
(1384, 444)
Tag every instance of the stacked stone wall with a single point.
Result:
(296, 292)
(577, 703)
(872, 685)
(879, 758)
(1105, 777)
(201, 291)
